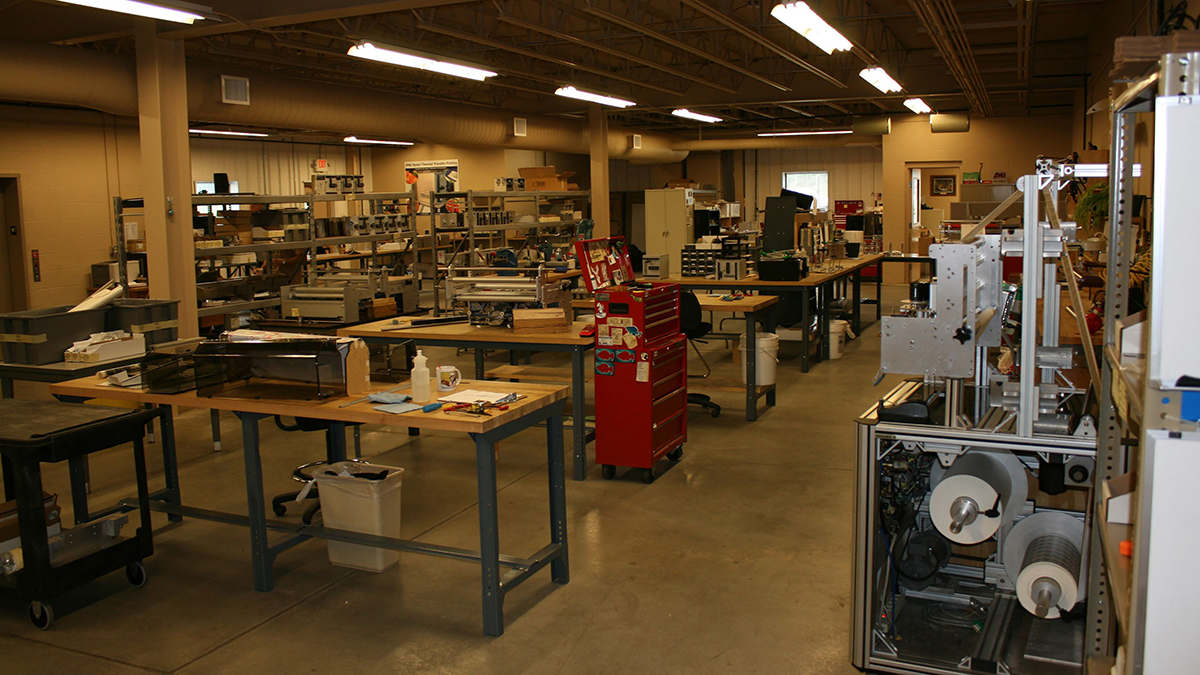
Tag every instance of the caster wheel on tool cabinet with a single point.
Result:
(136, 574)
(676, 454)
(41, 615)
(648, 475)
(608, 471)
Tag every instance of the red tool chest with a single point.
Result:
(641, 363)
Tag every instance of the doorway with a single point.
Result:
(14, 296)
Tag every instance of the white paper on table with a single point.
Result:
(471, 396)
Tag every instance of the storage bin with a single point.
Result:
(40, 336)
(157, 320)
(360, 505)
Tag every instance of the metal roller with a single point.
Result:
(1043, 556)
(982, 491)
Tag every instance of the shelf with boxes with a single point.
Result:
(234, 249)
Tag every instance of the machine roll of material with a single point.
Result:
(1042, 555)
(980, 492)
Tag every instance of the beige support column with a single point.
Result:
(598, 153)
(166, 171)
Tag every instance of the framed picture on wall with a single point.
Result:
(942, 186)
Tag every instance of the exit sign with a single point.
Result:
(320, 165)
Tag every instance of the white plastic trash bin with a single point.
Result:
(766, 358)
(839, 333)
(352, 502)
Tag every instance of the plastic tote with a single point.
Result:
(765, 360)
(839, 333)
(351, 500)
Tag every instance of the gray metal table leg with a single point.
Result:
(260, 554)
(6, 387)
(805, 321)
(357, 441)
(751, 351)
(578, 413)
(215, 415)
(824, 293)
(769, 326)
(856, 279)
(879, 292)
(560, 570)
(489, 537)
(78, 469)
(479, 363)
(337, 441)
(170, 461)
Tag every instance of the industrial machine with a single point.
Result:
(490, 294)
(340, 296)
(974, 480)
(641, 363)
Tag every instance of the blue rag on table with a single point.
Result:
(398, 408)
(385, 397)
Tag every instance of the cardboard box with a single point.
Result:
(551, 320)
(381, 308)
(545, 178)
(683, 183)
(135, 246)
(1118, 498)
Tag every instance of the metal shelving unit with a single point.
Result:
(497, 200)
(374, 200)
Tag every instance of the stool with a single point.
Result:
(334, 452)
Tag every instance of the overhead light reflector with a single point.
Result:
(368, 141)
(393, 55)
(572, 92)
(799, 17)
(815, 132)
(217, 132)
(879, 79)
(145, 9)
(918, 106)
(684, 112)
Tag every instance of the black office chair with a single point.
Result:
(694, 327)
(301, 473)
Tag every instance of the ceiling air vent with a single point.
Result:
(950, 123)
(520, 127)
(235, 90)
(635, 141)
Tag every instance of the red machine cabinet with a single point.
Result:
(641, 363)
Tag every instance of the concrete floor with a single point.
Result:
(737, 559)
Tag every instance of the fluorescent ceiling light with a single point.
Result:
(144, 9)
(799, 17)
(818, 132)
(684, 112)
(395, 57)
(879, 79)
(572, 92)
(217, 132)
(918, 106)
(368, 141)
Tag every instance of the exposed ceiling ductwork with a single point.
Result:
(941, 21)
(81, 77)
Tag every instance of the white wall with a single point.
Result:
(854, 173)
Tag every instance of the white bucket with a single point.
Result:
(359, 505)
(766, 358)
(839, 332)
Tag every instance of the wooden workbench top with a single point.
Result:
(746, 303)
(284, 399)
(813, 279)
(463, 332)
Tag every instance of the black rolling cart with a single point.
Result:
(47, 565)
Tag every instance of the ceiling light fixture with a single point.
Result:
(917, 105)
(369, 141)
(217, 132)
(879, 79)
(817, 132)
(572, 92)
(406, 59)
(182, 13)
(684, 112)
(801, 18)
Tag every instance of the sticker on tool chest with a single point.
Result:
(621, 321)
(605, 368)
(631, 340)
(624, 355)
(643, 372)
(608, 342)
(605, 355)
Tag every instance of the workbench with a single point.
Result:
(818, 282)
(749, 306)
(257, 401)
(465, 336)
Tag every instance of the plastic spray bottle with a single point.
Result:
(420, 379)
